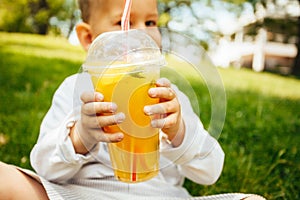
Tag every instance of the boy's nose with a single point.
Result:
(139, 25)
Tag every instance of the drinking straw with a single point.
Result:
(125, 22)
(133, 175)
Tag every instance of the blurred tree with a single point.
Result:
(34, 16)
(40, 13)
(197, 18)
(13, 16)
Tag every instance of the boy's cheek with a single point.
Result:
(155, 34)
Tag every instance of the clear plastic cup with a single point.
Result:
(123, 66)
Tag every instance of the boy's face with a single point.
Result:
(105, 15)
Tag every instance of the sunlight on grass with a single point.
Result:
(3, 139)
(31, 45)
(264, 83)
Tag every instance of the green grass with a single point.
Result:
(32, 67)
(261, 134)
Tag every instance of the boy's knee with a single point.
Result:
(16, 185)
(4, 173)
(6, 187)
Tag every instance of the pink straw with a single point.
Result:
(125, 22)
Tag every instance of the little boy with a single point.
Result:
(71, 157)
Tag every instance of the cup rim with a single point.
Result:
(104, 65)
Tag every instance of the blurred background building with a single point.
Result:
(261, 35)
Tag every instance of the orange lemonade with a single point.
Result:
(136, 157)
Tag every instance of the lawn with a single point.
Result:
(261, 134)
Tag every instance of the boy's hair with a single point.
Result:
(85, 8)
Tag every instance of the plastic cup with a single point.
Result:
(123, 66)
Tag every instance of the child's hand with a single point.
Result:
(168, 108)
(95, 114)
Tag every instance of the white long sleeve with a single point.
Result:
(200, 157)
(54, 157)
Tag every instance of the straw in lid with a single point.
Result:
(125, 47)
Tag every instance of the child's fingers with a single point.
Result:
(166, 107)
(87, 97)
(165, 93)
(108, 120)
(165, 123)
(96, 122)
(98, 108)
(98, 135)
(163, 90)
(163, 82)
(111, 137)
(167, 110)
(158, 123)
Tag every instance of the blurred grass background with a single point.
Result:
(261, 135)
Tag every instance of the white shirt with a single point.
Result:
(199, 157)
